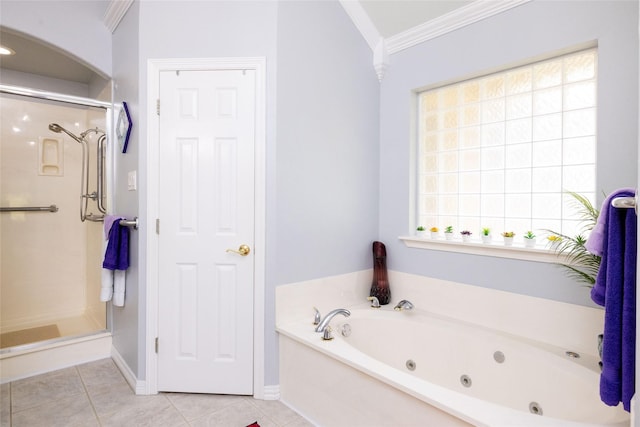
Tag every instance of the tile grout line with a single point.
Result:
(86, 390)
(263, 413)
(177, 410)
(10, 403)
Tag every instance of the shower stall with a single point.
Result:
(53, 195)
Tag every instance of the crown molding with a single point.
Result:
(381, 58)
(370, 33)
(362, 22)
(115, 12)
(467, 15)
(382, 48)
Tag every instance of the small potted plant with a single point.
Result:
(421, 231)
(554, 241)
(529, 240)
(466, 235)
(508, 237)
(448, 232)
(434, 232)
(486, 235)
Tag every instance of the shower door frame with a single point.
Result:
(110, 157)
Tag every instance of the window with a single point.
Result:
(500, 150)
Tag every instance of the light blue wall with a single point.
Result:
(327, 150)
(129, 331)
(533, 29)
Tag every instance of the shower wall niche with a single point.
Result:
(49, 261)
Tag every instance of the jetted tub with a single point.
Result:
(415, 368)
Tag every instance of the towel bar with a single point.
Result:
(625, 203)
(131, 223)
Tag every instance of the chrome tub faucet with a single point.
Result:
(403, 305)
(325, 322)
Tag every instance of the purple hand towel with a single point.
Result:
(615, 290)
(595, 243)
(108, 223)
(116, 257)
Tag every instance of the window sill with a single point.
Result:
(494, 249)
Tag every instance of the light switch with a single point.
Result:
(132, 181)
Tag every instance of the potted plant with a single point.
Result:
(448, 232)
(486, 235)
(421, 231)
(554, 241)
(581, 265)
(434, 232)
(529, 240)
(466, 235)
(508, 237)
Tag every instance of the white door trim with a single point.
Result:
(154, 67)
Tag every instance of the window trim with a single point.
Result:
(494, 249)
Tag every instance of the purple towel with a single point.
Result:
(116, 257)
(108, 223)
(615, 290)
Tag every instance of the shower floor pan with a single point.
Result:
(37, 350)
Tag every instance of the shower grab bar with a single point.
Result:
(52, 208)
(100, 178)
(94, 218)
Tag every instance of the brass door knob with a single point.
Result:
(242, 250)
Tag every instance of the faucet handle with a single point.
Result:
(316, 317)
(326, 335)
(403, 305)
(374, 302)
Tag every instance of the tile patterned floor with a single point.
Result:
(96, 394)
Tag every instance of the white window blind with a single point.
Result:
(499, 151)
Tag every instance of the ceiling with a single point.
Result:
(390, 17)
(36, 57)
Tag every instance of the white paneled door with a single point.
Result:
(206, 231)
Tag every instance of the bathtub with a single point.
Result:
(413, 368)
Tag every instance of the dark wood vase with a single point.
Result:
(380, 283)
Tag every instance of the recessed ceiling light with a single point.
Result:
(6, 51)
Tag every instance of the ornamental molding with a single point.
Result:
(454, 20)
(115, 12)
(382, 47)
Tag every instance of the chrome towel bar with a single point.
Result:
(131, 223)
(626, 202)
(52, 208)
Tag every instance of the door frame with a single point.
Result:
(154, 67)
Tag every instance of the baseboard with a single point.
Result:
(138, 386)
(271, 392)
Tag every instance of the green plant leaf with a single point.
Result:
(581, 265)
